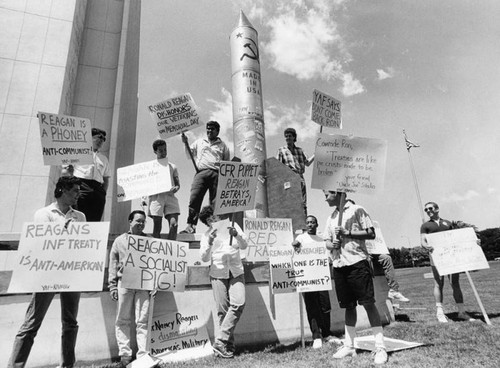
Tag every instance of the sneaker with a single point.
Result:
(190, 229)
(441, 316)
(344, 351)
(397, 296)
(332, 340)
(125, 360)
(463, 316)
(317, 343)
(222, 351)
(380, 356)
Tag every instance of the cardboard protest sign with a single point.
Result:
(236, 187)
(325, 110)
(377, 245)
(65, 139)
(179, 336)
(58, 257)
(456, 251)
(349, 164)
(154, 263)
(300, 272)
(175, 115)
(264, 233)
(143, 179)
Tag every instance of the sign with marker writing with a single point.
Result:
(66, 140)
(349, 164)
(175, 115)
(325, 110)
(305, 271)
(236, 187)
(59, 257)
(377, 245)
(263, 234)
(154, 263)
(146, 178)
(456, 251)
(178, 336)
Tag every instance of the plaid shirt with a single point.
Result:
(294, 158)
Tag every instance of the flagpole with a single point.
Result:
(414, 177)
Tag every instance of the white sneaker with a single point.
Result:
(464, 316)
(397, 296)
(332, 340)
(344, 351)
(380, 356)
(441, 316)
(317, 344)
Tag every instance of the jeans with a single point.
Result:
(229, 295)
(132, 301)
(203, 180)
(318, 309)
(35, 314)
(385, 261)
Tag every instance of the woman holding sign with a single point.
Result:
(221, 244)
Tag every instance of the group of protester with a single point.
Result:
(80, 196)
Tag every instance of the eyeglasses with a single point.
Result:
(429, 209)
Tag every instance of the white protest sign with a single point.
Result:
(179, 336)
(349, 164)
(377, 245)
(153, 263)
(236, 187)
(65, 139)
(325, 110)
(456, 251)
(58, 257)
(175, 115)
(300, 272)
(143, 179)
(264, 233)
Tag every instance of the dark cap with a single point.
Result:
(96, 131)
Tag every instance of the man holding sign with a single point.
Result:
(66, 193)
(318, 304)
(346, 231)
(209, 153)
(221, 246)
(130, 301)
(435, 225)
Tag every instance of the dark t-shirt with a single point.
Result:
(431, 226)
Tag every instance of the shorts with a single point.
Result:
(163, 204)
(354, 284)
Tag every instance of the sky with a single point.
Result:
(429, 67)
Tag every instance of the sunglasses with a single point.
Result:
(429, 209)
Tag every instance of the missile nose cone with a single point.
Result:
(243, 21)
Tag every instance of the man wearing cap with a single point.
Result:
(95, 180)
(295, 158)
(207, 154)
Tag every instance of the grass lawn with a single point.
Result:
(455, 344)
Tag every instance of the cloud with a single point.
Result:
(467, 196)
(303, 36)
(382, 74)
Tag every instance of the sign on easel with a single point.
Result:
(59, 257)
(66, 140)
(236, 187)
(175, 115)
(349, 164)
(325, 110)
(456, 251)
(146, 178)
(264, 234)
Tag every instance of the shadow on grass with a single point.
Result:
(403, 318)
(277, 349)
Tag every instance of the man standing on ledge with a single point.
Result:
(435, 225)
(66, 193)
(95, 180)
(208, 153)
(295, 158)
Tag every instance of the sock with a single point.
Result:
(350, 334)
(461, 308)
(439, 306)
(378, 333)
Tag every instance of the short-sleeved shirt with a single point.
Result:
(209, 154)
(96, 171)
(432, 226)
(355, 218)
(52, 213)
(294, 158)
